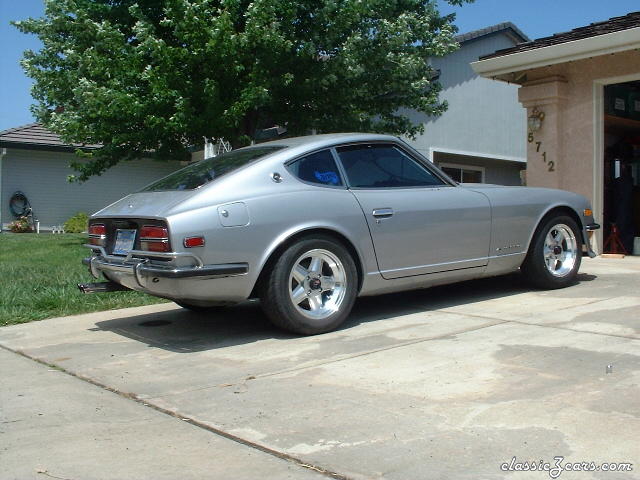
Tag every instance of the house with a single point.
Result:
(35, 161)
(480, 138)
(581, 91)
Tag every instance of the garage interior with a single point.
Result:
(621, 167)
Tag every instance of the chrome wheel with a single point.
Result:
(560, 250)
(317, 284)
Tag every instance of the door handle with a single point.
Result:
(382, 212)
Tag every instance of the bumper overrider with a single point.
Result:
(591, 227)
(138, 264)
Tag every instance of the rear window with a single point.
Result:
(198, 174)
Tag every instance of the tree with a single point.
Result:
(141, 76)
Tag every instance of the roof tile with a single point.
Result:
(35, 134)
(615, 24)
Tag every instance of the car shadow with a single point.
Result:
(184, 331)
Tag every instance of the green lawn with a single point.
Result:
(38, 277)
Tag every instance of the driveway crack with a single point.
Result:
(186, 419)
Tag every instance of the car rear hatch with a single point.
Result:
(145, 204)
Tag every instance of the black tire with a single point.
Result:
(542, 260)
(332, 305)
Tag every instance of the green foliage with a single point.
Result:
(77, 224)
(157, 75)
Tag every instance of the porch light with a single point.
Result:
(534, 122)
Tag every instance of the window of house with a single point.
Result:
(319, 168)
(463, 173)
(384, 166)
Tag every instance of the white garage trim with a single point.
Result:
(598, 150)
(488, 156)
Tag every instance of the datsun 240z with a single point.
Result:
(308, 224)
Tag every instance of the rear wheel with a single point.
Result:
(555, 254)
(311, 288)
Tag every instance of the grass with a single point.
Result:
(38, 277)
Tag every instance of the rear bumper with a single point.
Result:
(141, 268)
(137, 264)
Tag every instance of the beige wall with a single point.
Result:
(570, 95)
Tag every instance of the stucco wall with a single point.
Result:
(42, 177)
(567, 93)
(577, 111)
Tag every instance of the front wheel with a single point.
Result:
(555, 254)
(311, 288)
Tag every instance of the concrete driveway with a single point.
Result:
(447, 383)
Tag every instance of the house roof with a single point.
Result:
(509, 28)
(36, 136)
(616, 35)
(615, 24)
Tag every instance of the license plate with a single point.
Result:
(124, 241)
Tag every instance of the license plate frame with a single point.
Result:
(125, 240)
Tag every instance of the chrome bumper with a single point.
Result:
(136, 263)
(592, 227)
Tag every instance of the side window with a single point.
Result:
(384, 166)
(319, 167)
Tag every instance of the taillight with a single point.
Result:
(154, 239)
(97, 234)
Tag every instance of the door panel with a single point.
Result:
(417, 231)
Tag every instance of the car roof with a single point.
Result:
(318, 141)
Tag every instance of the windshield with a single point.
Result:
(197, 174)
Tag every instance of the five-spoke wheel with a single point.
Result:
(560, 250)
(311, 287)
(555, 253)
(318, 283)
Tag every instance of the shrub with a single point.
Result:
(77, 224)
(21, 225)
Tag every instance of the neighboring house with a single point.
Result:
(35, 162)
(480, 138)
(581, 89)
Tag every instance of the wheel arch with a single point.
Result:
(284, 242)
(554, 211)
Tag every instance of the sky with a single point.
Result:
(536, 19)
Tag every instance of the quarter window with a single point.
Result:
(384, 166)
(319, 168)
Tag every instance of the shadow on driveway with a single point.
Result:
(184, 331)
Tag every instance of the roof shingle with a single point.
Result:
(37, 136)
(615, 24)
(516, 33)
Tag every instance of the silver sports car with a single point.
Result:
(308, 224)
